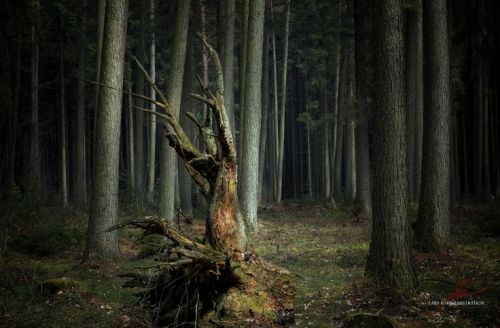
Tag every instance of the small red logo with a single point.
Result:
(463, 291)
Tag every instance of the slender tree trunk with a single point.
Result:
(264, 120)
(15, 116)
(342, 103)
(389, 261)
(101, 13)
(34, 167)
(363, 186)
(185, 183)
(326, 149)
(283, 104)
(130, 131)
(309, 166)
(80, 191)
(433, 225)
(139, 116)
(104, 199)
(152, 118)
(242, 68)
(64, 132)
(335, 174)
(229, 62)
(168, 167)
(251, 132)
(276, 138)
(204, 57)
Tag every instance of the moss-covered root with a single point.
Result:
(52, 286)
(263, 297)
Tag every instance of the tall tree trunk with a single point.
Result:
(362, 51)
(251, 131)
(350, 151)
(168, 167)
(335, 174)
(264, 121)
(433, 224)
(104, 198)
(152, 95)
(276, 138)
(80, 192)
(185, 184)
(229, 61)
(64, 132)
(15, 116)
(101, 13)
(389, 261)
(418, 108)
(242, 68)
(326, 148)
(281, 148)
(130, 131)
(34, 163)
(309, 166)
(139, 116)
(342, 103)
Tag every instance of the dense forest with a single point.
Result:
(249, 163)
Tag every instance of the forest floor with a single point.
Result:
(43, 285)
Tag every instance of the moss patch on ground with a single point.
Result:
(325, 250)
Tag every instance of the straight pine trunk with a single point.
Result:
(104, 198)
(433, 224)
(64, 132)
(229, 62)
(168, 163)
(152, 118)
(80, 192)
(34, 163)
(252, 102)
(283, 104)
(389, 261)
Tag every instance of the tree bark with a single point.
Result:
(281, 148)
(80, 192)
(34, 162)
(433, 225)
(139, 116)
(185, 185)
(389, 262)
(229, 61)
(242, 67)
(362, 57)
(251, 132)
(168, 167)
(152, 95)
(263, 149)
(130, 131)
(64, 132)
(104, 198)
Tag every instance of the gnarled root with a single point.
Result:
(193, 282)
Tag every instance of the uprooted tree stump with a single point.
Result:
(193, 282)
(216, 283)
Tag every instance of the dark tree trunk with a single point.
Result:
(389, 261)
(432, 230)
(363, 189)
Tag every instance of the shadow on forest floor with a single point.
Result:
(325, 251)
